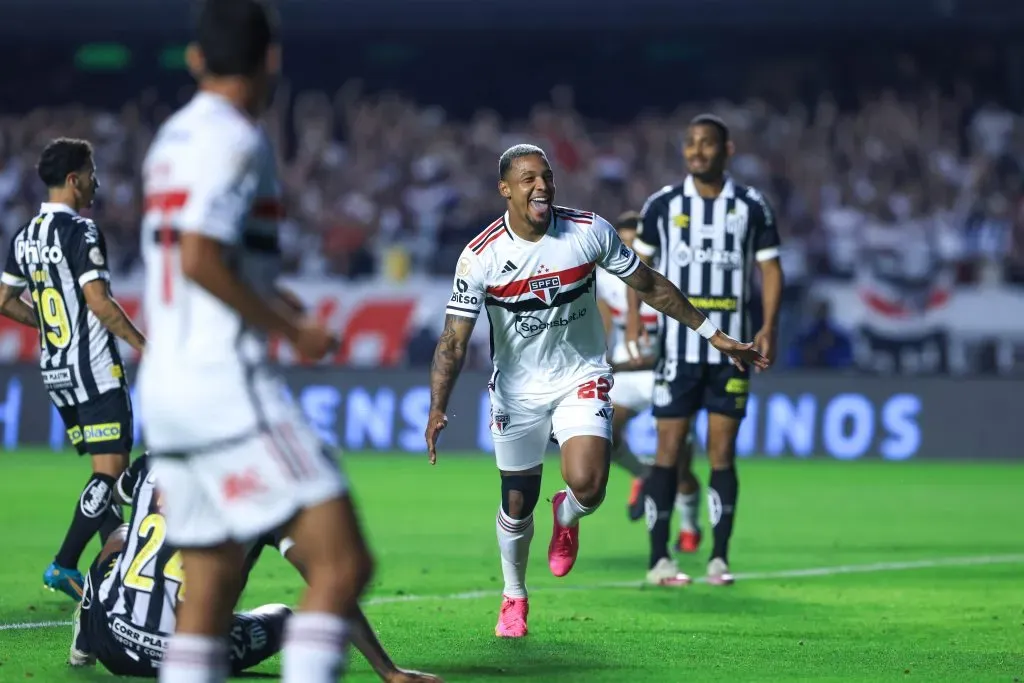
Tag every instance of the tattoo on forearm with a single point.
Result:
(448, 359)
(656, 291)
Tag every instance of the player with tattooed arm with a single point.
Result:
(535, 269)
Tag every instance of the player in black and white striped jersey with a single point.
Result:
(133, 587)
(61, 257)
(707, 232)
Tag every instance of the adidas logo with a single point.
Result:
(509, 267)
(606, 413)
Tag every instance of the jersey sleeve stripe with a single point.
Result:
(566, 277)
(498, 233)
(642, 248)
(575, 213)
(633, 264)
(464, 312)
(573, 216)
(13, 280)
(93, 275)
(479, 239)
(767, 254)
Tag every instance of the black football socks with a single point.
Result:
(659, 496)
(91, 514)
(723, 490)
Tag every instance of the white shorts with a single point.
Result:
(240, 486)
(522, 427)
(633, 390)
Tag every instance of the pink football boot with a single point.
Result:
(565, 542)
(512, 617)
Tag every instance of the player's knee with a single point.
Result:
(519, 494)
(722, 455)
(356, 570)
(671, 442)
(588, 486)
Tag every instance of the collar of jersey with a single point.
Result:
(519, 240)
(728, 190)
(216, 100)
(56, 207)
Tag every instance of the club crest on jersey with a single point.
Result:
(736, 224)
(545, 287)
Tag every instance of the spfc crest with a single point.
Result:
(546, 287)
(500, 421)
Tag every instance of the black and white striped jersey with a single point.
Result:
(55, 256)
(140, 589)
(707, 247)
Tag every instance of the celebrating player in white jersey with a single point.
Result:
(534, 268)
(235, 458)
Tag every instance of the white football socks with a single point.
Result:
(570, 511)
(194, 659)
(315, 645)
(688, 506)
(514, 536)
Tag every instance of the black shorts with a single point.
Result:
(721, 389)
(101, 426)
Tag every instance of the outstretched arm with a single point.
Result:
(449, 356)
(363, 637)
(656, 291)
(15, 308)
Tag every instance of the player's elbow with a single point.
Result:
(98, 299)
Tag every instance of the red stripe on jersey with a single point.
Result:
(269, 208)
(644, 317)
(493, 238)
(574, 216)
(166, 203)
(567, 277)
(479, 239)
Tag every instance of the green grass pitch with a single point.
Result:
(919, 577)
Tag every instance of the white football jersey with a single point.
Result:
(210, 170)
(613, 291)
(546, 331)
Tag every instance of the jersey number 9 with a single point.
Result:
(56, 326)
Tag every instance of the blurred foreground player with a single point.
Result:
(234, 457)
(534, 268)
(61, 258)
(707, 233)
(631, 394)
(127, 613)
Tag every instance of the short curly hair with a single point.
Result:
(61, 157)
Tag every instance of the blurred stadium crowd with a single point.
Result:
(379, 185)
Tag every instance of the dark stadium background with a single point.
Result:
(888, 135)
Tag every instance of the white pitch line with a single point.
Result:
(810, 572)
